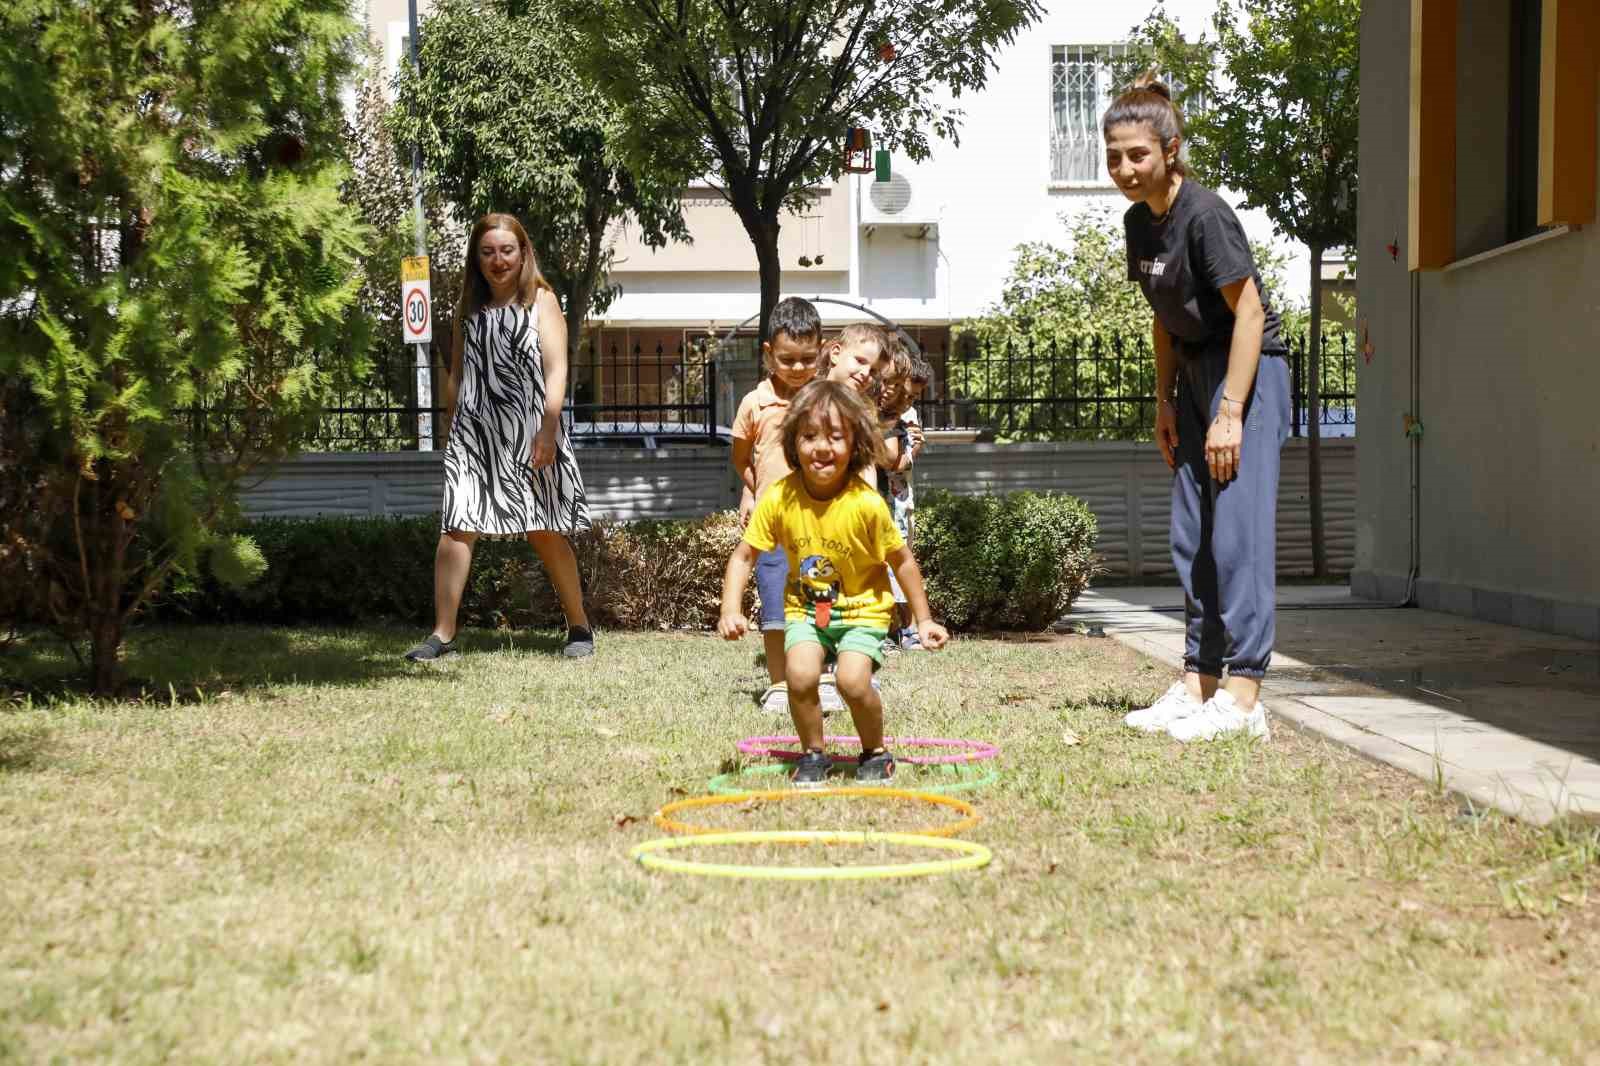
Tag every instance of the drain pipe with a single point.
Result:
(1415, 440)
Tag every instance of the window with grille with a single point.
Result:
(1080, 92)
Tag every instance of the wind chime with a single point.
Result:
(809, 225)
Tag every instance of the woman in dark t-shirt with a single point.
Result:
(1223, 414)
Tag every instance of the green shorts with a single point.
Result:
(837, 638)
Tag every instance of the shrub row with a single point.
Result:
(995, 562)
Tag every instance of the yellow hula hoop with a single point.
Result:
(970, 817)
(972, 855)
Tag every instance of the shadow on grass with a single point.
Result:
(186, 664)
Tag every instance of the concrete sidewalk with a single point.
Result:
(1507, 717)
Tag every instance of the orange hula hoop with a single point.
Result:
(662, 819)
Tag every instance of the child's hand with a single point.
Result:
(933, 635)
(733, 626)
(746, 505)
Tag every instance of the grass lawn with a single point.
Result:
(310, 851)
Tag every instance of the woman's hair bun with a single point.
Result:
(1150, 82)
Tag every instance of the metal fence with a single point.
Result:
(618, 393)
(1101, 390)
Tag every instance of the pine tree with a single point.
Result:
(178, 271)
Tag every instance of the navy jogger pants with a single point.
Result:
(1224, 537)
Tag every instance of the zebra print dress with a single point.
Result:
(490, 485)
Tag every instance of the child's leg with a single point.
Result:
(866, 707)
(860, 650)
(772, 646)
(772, 574)
(803, 669)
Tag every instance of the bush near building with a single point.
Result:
(992, 562)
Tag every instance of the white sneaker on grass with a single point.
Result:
(776, 699)
(1220, 717)
(828, 694)
(1174, 703)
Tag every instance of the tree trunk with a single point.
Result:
(101, 609)
(763, 230)
(1319, 547)
(105, 641)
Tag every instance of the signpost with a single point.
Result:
(416, 300)
(416, 304)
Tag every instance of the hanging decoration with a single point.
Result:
(857, 150)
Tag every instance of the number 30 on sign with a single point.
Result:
(416, 303)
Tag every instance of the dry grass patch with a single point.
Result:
(309, 851)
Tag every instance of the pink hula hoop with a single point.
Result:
(977, 749)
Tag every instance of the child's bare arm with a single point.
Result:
(891, 445)
(743, 453)
(733, 623)
(933, 635)
(743, 464)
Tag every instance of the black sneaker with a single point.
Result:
(875, 769)
(812, 770)
(580, 643)
(431, 649)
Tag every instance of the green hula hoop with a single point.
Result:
(723, 784)
(972, 855)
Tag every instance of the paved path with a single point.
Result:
(1509, 718)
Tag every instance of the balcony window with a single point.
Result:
(1080, 92)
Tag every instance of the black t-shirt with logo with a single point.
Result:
(1183, 261)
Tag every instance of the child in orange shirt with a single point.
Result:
(791, 353)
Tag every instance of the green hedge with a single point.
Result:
(992, 562)
(1004, 562)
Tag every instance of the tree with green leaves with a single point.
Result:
(177, 281)
(759, 94)
(380, 187)
(1067, 326)
(506, 124)
(1271, 103)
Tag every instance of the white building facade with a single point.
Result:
(926, 249)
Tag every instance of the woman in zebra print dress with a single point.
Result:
(508, 468)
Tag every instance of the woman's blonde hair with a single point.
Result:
(814, 401)
(475, 287)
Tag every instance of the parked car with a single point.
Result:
(648, 436)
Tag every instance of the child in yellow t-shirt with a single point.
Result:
(837, 534)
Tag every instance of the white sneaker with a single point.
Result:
(1220, 717)
(828, 694)
(1175, 703)
(776, 699)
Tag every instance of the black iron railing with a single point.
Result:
(1102, 389)
(1096, 390)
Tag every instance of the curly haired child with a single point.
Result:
(838, 535)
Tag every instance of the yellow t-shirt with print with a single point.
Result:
(836, 551)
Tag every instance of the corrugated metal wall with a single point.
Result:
(1126, 485)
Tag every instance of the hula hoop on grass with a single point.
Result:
(950, 829)
(978, 749)
(972, 855)
(723, 784)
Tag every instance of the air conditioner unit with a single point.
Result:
(893, 203)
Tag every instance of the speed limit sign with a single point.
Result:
(416, 304)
